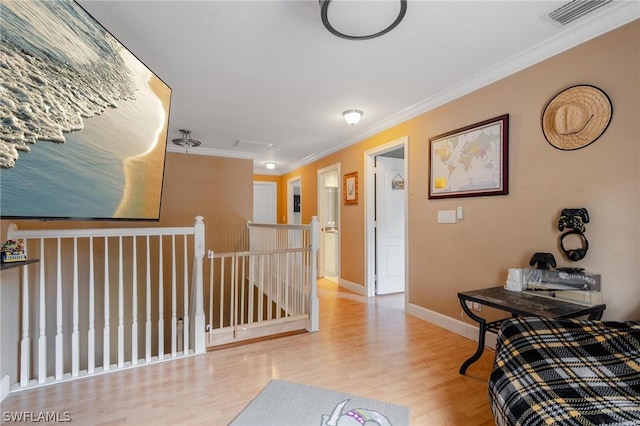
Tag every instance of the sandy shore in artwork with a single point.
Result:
(143, 174)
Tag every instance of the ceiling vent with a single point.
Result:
(252, 146)
(573, 10)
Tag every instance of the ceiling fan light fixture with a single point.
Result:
(352, 116)
(324, 15)
(185, 141)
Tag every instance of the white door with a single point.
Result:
(264, 202)
(330, 232)
(389, 225)
(329, 217)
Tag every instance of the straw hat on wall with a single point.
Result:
(576, 117)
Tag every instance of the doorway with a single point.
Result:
(264, 202)
(294, 205)
(329, 217)
(386, 189)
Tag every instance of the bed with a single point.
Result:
(566, 372)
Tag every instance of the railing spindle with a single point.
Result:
(120, 306)
(269, 284)
(160, 301)
(250, 288)
(106, 331)
(261, 274)
(288, 264)
(75, 333)
(134, 304)
(233, 314)
(221, 302)
(25, 342)
(211, 275)
(147, 343)
(59, 335)
(91, 333)
(174, 318)
(242, 288)
(42, 339)
(185, 315)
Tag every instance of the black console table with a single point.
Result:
(518, 304)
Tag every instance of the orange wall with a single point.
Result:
(219, 189)
(499, 232)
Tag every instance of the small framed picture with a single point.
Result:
(350, 188)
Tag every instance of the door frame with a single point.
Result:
(290, 185)
(370, 208)
(320, 208)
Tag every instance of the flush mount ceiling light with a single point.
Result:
(352, 116)
(185, 141)
(270, 165)
(348, 19)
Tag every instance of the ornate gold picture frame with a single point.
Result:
(350, 188)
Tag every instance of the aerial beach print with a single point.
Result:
(84, 122)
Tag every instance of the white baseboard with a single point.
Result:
(459, 327)
(356, 288)
(4, 387)
(454, 325)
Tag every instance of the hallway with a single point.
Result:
(367, 347)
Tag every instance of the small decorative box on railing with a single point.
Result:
(12, 251)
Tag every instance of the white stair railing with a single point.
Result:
(68, 299)
(268, 290)
(287, 237)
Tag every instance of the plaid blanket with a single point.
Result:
(566, 372)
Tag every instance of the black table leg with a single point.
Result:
(482, 327)
(596, 315)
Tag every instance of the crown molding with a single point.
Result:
(213, 152)
(615, 16)
(618, 14)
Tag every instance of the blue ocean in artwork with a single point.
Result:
(55, 176)
(75, 105)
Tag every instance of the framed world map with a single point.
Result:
(471, 161)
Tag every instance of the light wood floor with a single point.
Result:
(367, 347)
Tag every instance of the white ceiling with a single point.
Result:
(268, 74)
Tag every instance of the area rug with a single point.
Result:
(290, 404)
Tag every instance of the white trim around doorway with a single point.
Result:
(369, 222)
(336, 167)
(290, 185)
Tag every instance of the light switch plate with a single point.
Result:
(446, 216)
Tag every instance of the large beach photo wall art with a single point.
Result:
(84, 122)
